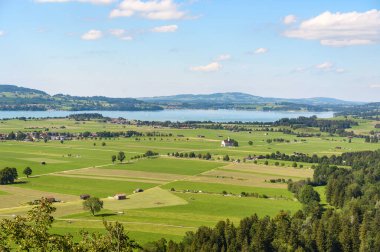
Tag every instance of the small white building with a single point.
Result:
(227, 143)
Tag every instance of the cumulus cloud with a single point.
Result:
(346, 42)
(326, 66)
(223, 57)
(261, 50)
(80, 1)
(151, 9)
(340, 29)
(212, 67)
(289, 19)
(92, 35)
(329, 67)
(165, 28)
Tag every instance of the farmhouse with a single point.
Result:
(120, 196)
(227, 143)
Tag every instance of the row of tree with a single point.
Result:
(191, 154)
(302, 157)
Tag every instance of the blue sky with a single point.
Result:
(135, 48)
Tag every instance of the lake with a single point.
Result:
(177, 115)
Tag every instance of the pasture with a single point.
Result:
(180, 194)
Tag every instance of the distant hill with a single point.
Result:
(241, 98)
(233, 97)
(325, 100)
(20, 90)
(19, 98)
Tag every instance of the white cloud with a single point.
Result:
(346, 42)
(289, 19)
(165, 28)
(212, 67)
(329, 67)
(223, 57)
(374, 86)
(1, 33)
(261, 50)
(340, 29)
(80, 1)
(325, 66)
(151, 9)
(92, 35)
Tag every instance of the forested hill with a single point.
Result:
(20, 98)
(236, 100)
(20, 90)
(243, 98)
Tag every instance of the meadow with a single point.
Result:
(180, 194)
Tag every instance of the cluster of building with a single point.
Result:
(38, 136)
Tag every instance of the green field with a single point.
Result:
(180, 194)
(231, 189)
(77, 186)
(169, 165)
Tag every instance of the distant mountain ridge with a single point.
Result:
(20, 98)
(7, 88)
(244, 98)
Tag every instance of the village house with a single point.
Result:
(227, 143)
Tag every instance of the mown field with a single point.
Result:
(180, 194)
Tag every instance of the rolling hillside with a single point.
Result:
(19, 98)
(242, 98)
